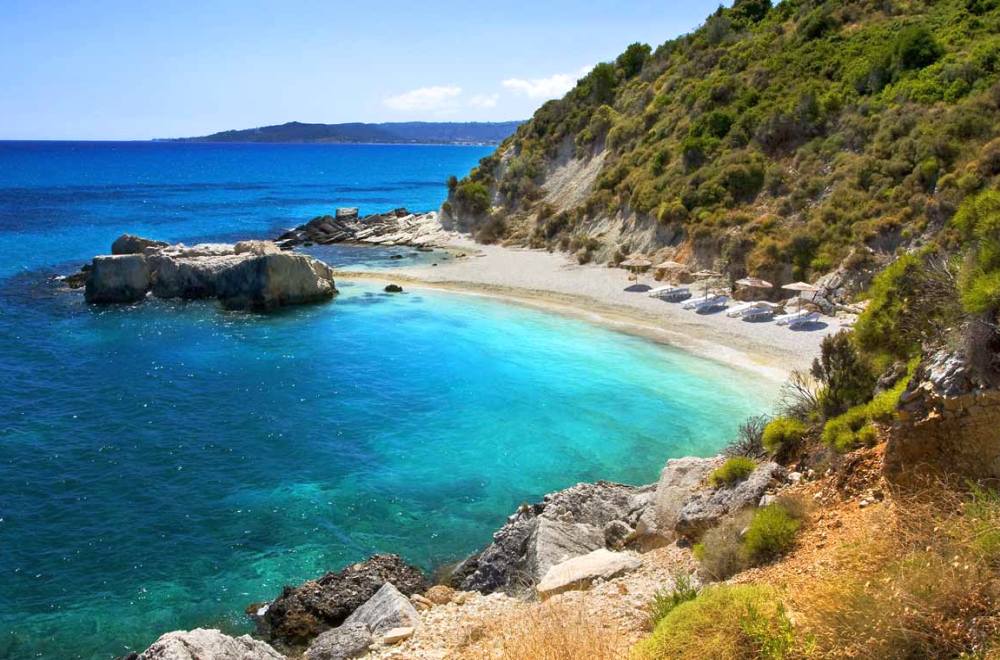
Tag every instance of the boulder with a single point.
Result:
(273, 280)
(256, 248)
(581, 572)
(393, 288)
(351, 640)
(129, 244)
(204, 644)
(397, 635)
(679, 480)
(705, 508)
(118, 279)
(440, 594)
(188, 277)
(565, 524)
(386, 610)
(300, 613)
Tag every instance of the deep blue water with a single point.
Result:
(162, 465)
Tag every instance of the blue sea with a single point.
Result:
(165, 464)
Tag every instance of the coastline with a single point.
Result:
(553, 283)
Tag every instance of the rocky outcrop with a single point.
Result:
(705, 508)
(386, 610)
(205, 644)
(130, 244)
(118, 279)
(251, 275)
(270, 281)
(399, 227)
(581, 572)
(949, 425)
(565, 524)
(350, 640)
(301, 613)
(679, 480)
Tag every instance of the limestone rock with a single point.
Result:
(188, 277)
(679, 480)
(300, 613)
(351, 640)
(205, 644)
(256, 248)
(130, 244)
(581, 572)
(274, 280)
(397, 635)
(706, 507)
(565, 524)
(440, 594)
(386, 610)
(118, 279)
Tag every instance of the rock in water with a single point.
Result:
(581, 572)
(566, 524)
(274, 280)
(300, 613)
(129, 244)
(386, 610)
(350, 640)
(191, 277)
(203, 644)
(256, 247)
(393, 288)
(118, 279)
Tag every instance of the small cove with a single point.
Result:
(168, 463)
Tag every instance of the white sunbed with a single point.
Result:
(662, 291)
(694, 302)
(713, 303)
(804, 319)
(763, 313)
(740, 310)
(785, 319)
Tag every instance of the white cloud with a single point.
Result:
(439, 97)
(545, 88)
(484, 101)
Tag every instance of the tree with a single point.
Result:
(751, 10)
(630, 62)
(602, 83)
(847, 378)
(916, 48)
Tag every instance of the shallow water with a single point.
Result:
(165, 464)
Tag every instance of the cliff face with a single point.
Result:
(775, 140)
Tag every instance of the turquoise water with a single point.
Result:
(165, 464)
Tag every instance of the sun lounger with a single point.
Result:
(763, 313)
(668, 291)
(803, 319)
(694, 302)
(714, 302)
(785, 319)
(740, 310)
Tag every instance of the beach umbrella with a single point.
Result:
(705, 275)
(801, 287)
(670, 264)
(636, 264)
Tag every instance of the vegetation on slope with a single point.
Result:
(776, 139)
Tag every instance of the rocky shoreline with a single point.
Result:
(572, 540)
(398, 227)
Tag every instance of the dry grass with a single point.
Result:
(923, 583)
(548, 631)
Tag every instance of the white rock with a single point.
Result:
(396, 635)
(386, 610)
(581, 572)
(208, 644)
(118, 279)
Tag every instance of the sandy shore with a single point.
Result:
(554, 282)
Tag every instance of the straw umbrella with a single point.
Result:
(705, 275)
(636, 264)
(801, 287)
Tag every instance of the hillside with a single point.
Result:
(387, 133)
(774, 140)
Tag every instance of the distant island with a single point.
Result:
(413, 132)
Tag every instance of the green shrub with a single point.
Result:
(472, 197)
(665, 601)
(978, 219)
(736, 468)
(725, 621)
(782, 433)
(771, 533)
(916, 48)
(855, 428)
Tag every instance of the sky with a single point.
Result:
(133, 70)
